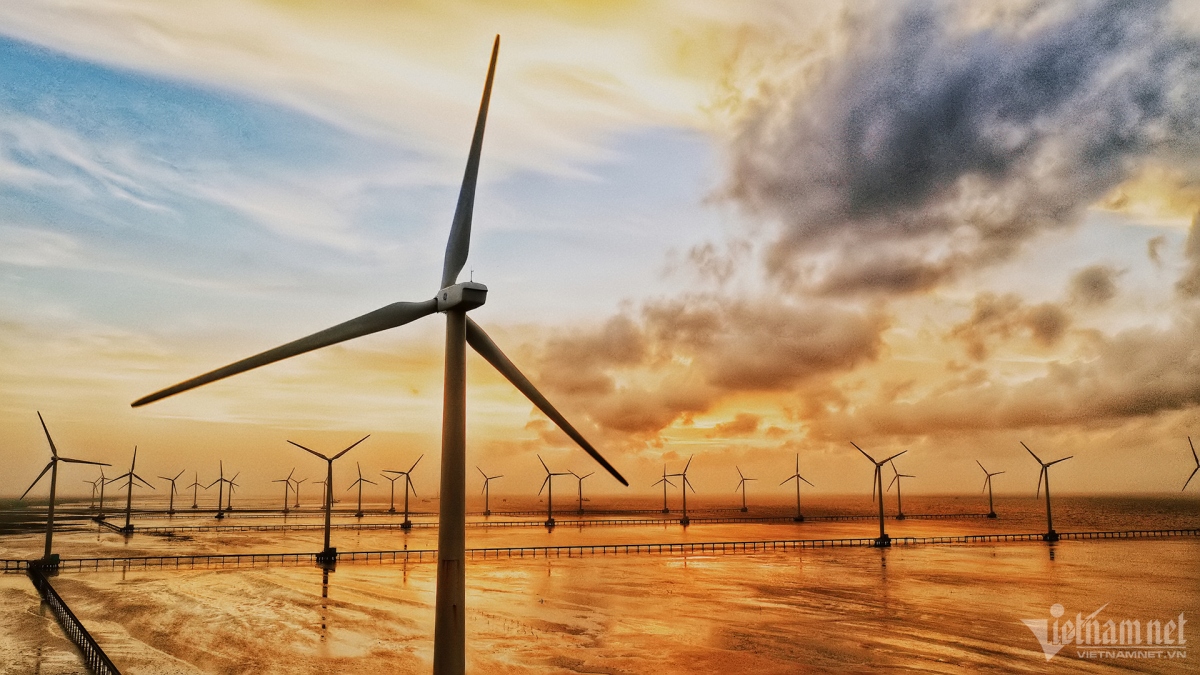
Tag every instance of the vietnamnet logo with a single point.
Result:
(1095, 638)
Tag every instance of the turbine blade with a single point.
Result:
(368, 480)
(543, 464)
(1038, 492)
(410, 469)
(981, 465)
(689, 463)
(739, 472)
(486, 348)
(1185, 483)
(1060, 460)
(81, 461)
(893, 457)
(481, 473)
(1194, 455)
(789, 478)
(391, 316)
(43, 473)
(178, 475)
(805, 480)
(864, 452)
(1039, 459)
(688, 484)
(307, 450)
(351, 447)
(544, 485)
(874, 482)
(894, 479)
(54, 450)
(459, 242)
(586, 475)
(409, 485)
(985, 482)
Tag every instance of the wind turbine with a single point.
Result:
(229, 495)
(581, 488)
(93, 484)
(742, 486)
(131, 476)
(103, 481)
(408, 485)
(665, 482)
(550, 494)
(220, 483)
(685, 485)
(48, 559)
(797, 477)
(287, 487)
(329, 555)
(987, 485)
(1197, 460)
(877, 485)
(196, 489)
(896, 482)
(171, 508)
(324, 486)
(1050, 535)
(454, 300)
(359, 483)
(296, 489)
(487, 493)
(392, 498)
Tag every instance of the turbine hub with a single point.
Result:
(465, 296)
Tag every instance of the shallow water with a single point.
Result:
(925, 608)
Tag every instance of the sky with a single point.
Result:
(740, 231)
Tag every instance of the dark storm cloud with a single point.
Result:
(1001, 317)
(933, 148)
(1094, 285)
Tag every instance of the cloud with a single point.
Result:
(742, 424)
(935, 144)
(1005, 316)
(1094, 285)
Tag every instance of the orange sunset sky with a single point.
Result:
(735, 230)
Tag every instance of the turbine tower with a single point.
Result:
(359, 483)
(549, 482)
(130, 477)
(685, 485)
(103, 481)
(896, 481)
(328, 556)
(229, 495)
(987, 485)
(1050, 535)
(49, 559)
(877, 486)
(220, 483)
(665, 482)
(581, 488)
(1196, 459)
(296, 490)
(742, 486)
(392, 498)
(408, 485)
(797, 477)
(454, 300)
(93, 483)
(487, 493)
(287, 488)
(196, 489)
(171, 508)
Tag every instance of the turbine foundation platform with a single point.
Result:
(899, 516)
(1050, 536)
(406, 525)
(685, 521)
(883, 542)
(328, 557)
(993, 515)
(798, 519)
(50, 563)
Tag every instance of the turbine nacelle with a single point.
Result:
(465, 296)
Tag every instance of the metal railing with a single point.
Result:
(93, 656)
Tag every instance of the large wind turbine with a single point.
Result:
(550, 495)
(987, 485)
(171, 508)
(359, 483)
(131, 476)
(48, 559)
(329, 555)
(287, 488)
(487, 493)
(797, 477)
(665, 482)
(896, 481)
(877, 486)
(1194, 458)
(1050, 535)
(408, 485)
(685, 485)
(580, 478)
(742, 486)
(454, 300)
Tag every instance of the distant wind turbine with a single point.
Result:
(130, 477)
(896, 481)
(684, 486)
(195, 486)
(1196, 459)
(49, 559)
(329, 555)
(287, 488)
(296, 489)
(171, 508)
(987, 485)
(665, 482)
(103, 481)
(408, 485)
(487, 509)
(1050, 535)
(550, 494)
(229, 495)
(220, 483)
(392, 491)
(581, 488)
(742, 486)
(797, 477)
(454, 300)
(877, 486)
(93, 483)
(359, 483)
